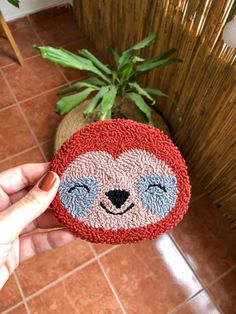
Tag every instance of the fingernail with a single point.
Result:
(47, 182)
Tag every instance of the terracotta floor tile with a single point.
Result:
(90, 294)
(200, 304)
(14, 133)
(19, 23)
(40, 112)
(33, 155)
(66, 29)
(206, 240)
(19, 310)
(9, 295)
(224, 293)
(35, 76)
(6, 97)
(100, 247)
(39, 18)
(25, 39)
(7, 55)
(46, 267)
(48, 149)
(150, 277)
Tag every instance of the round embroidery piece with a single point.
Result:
(121, 182)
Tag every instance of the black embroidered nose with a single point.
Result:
(117, 197)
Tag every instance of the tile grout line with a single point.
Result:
(25, 151)
(42, 93)
(31, 131)
(31, 57)
(12, 307)
(180, 305)
(221, 276)
(215, 281)
(33, 97)
(22, 113)
(42, 43)
(19, 153)
(21, 293)
(198, 277)
(107, 278)
(24, 116)
(204, 287)
(58, 280)
(34, 30)
(68, 274)
(178, 247)
(7, 107)
(63, 74)
(16, 63)
(187, 301)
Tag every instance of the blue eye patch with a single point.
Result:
(77, 195)
(158, 193)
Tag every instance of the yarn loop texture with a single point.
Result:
(121, 182)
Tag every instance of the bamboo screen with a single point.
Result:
(203, 85)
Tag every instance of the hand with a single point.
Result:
(24, 209)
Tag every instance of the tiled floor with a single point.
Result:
(190, 270)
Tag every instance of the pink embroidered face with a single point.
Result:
(121, 182)
(133, 190)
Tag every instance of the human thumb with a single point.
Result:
(33, 204)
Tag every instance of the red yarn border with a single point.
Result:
(116, 136)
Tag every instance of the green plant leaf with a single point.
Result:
(115, 55)
(95, 81)
(106, 115)
(68, 59)
(136, 59)
(136, 87)
(67, 103)
(155, 92)
(94, 102)
(143, 43)
(124, 59)
(141, 104)
(126, 72)
(76, 86)
(153, 63)
(16, 3)
(88, 55)
(108, 100)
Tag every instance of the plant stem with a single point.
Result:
(116, 112)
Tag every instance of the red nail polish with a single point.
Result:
(47, 182)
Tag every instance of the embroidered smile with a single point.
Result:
(115, 213)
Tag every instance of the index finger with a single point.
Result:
(15, 179)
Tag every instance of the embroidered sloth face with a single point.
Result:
(122, 192)
(134, 190)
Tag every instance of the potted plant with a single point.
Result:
(115, 92)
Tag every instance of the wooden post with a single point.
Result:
(10, 38)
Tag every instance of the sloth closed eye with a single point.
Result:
(80, 187)
(158, 185)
